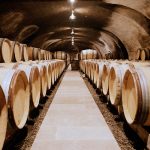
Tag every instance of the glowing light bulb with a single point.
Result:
(72, 32)
(72, 17)
(72, 43)
(72, 1)
(72, 39)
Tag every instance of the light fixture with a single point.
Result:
(72, 42)
(72, 32)
(72, 17)
(72, 39)
(72, 1)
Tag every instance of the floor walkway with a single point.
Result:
(73, 121)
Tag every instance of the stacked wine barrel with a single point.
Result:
(143, 54)
(88, 54)
(13, 51)
(26, 73)
(126, 83)
(60, 55)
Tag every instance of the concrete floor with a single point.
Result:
(73, 121)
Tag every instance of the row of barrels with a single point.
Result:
(143, 54)
(13, 51)
(60, 55)
(126, 83)
(88, 54)
(21, 87)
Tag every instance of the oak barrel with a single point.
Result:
(3, 118)
(135, 95)
(145, 54)
(17, 52)
(16, 89)
(5, 50)
(25, 54)
(105, 78)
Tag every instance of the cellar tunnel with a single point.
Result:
(116, 26)
(74, 74)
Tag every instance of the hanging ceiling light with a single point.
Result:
(72, 17)
(72, 40)
(72, 1)
(72, 43)
(72, 32)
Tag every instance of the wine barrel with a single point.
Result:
(60, 55)
(93, 72)
(55, 55)
(30, 53)
(49, 74)
(88, 69)
(43, 77)
(85, 66)
(58, 64)
(94, 54)
(89, 54)
(99, 74)
(25, 54)
(135, 95)
(5, 50)
(43, 54)
(145, 54)
(35, 53)
(83, 55)
(39, 55)
(46, 55)
(33, 76)
(16, 52)
(142, 55)
(50, 55)
(56, 70)
(105, 78)
(63, 56)
(3, 118)
(16, 89)
(52, 73)
(116, 75)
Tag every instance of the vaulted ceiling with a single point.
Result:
(116, 26)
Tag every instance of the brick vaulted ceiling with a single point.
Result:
(119, 26)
